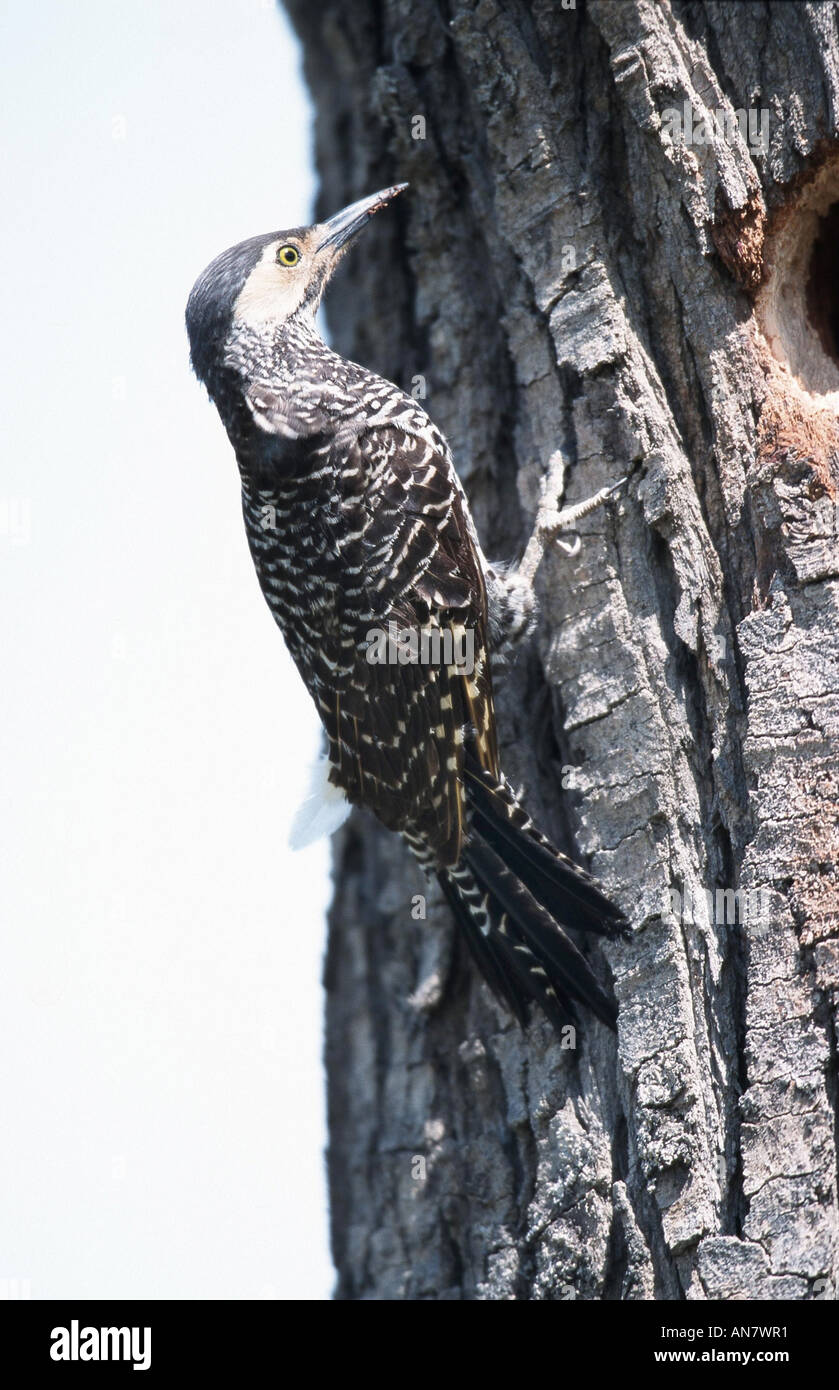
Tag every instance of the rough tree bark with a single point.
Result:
(587, 293)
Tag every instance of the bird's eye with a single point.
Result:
(288, 255)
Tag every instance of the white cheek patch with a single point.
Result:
(271, 292)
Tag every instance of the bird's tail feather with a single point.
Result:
(513, 894)
(511, 969)
(471, 912)
(561, 886)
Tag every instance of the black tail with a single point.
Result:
(513, 894)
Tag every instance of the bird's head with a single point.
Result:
(272, 279)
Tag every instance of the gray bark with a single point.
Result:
(674, 720)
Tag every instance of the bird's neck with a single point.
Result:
(292, 355)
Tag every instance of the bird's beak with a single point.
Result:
(340, 229)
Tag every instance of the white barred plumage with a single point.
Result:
(356, 518)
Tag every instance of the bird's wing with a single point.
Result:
(407, 556)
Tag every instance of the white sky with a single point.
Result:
(160, 1000)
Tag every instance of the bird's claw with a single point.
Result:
(549, 523)
(572, 548)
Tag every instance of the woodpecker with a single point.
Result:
(356, 521)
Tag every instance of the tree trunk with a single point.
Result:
(617, 256)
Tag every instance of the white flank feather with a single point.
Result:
(322, 811)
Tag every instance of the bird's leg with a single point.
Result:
(512, 602)
(550, 522)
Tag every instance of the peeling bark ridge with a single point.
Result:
(617, 257)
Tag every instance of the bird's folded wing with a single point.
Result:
(407, 564)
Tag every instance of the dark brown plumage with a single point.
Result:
(357, 523)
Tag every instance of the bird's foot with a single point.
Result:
(550, 522)
(564, 520)
(512, 602)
